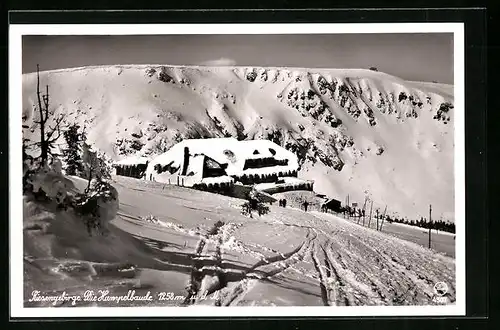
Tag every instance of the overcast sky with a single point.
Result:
(420, 57)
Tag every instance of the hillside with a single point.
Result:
(202, 242)
(356, 132)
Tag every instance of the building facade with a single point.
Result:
(218, 163)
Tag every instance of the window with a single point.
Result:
(228, 153)
(210, 163)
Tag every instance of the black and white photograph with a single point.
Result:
(223, 166)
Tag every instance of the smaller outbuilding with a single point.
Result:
(332, 204)
(134, 167)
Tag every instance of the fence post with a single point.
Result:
(370, 219)
(364, 207)
(345, 209)
(430, 224)
(359, 216)
(348, 208)
(377, 219)
(383, 218)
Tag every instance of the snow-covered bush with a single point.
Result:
(251, 76)
(442, 112)
(97, 205)
(72, 151)
(49, 184)
(95, 165)
(29, 167)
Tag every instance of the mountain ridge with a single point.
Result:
(349, 127)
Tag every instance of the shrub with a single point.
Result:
(97, 206)
(71, 153)
(48, 184)
(94, 165)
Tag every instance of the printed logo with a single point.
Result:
(440, 290)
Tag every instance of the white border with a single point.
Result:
(15, 137)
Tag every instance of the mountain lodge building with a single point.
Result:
(216, 164)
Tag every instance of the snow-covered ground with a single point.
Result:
(201, 241)
(441, 242)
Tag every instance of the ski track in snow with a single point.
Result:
(352, 265)
(344, 271)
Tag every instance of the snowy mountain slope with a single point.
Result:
(202, 241)
(355, 132)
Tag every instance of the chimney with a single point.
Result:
(186, 161)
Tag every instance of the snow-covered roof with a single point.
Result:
(232, 152)
(287, 182)
(219, 179)
(132, 160)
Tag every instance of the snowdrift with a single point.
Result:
(62, 258)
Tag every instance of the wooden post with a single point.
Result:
(430, 224)
(359, 217)
(364, 207)
(348, 208)
(377, 219)
(370, 219)
(383, 218)
(345, 209)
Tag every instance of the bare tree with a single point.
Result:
(48, 134)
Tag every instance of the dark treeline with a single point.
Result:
(423, 223)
